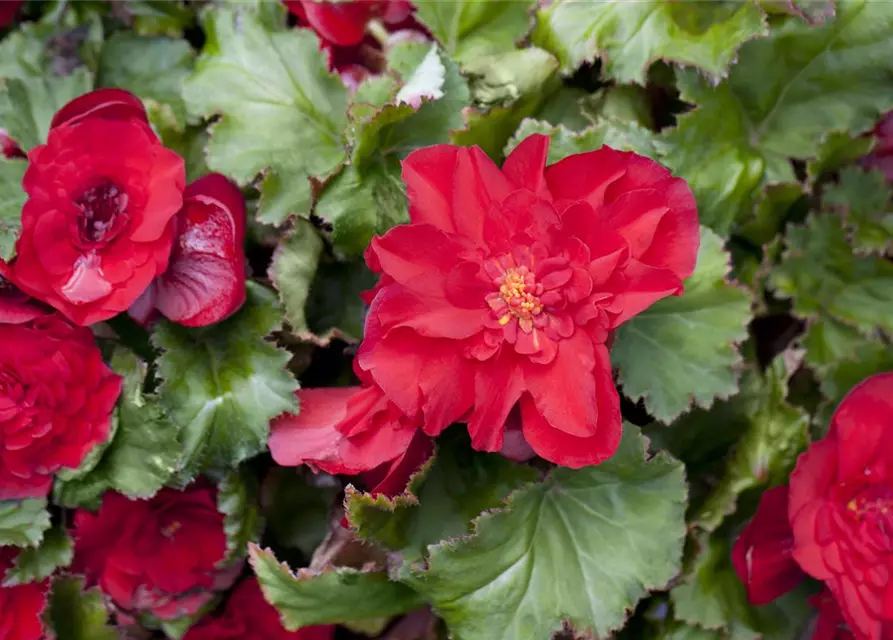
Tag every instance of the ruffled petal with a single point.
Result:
(526, 164)
(108, 104)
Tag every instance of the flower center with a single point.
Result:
(873, 508)
(520, 292)
(103, 213)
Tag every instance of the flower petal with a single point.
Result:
(109, 104)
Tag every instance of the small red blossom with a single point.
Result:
(841, 508)
(22, 606)
(9, 148)
(881, 157)
(8, 11)
(102, 192)
(205, 280)
(247, 616)
(344, 23)
(763, 553)
(162, 556)
(56, 396)
(505, 287)
(354, 430)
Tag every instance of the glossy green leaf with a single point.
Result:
(36, 563)
(785, 94)
(23, 522)
(863, 198)
(468, 29)
(628, 37)
(578, 547)
(78, 614)
(681, 350)
(279, 107)
(153, 69)
(292, 271)
(237, 500)
(222, 384)
(337, 595)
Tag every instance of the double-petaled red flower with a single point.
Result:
(56, 395)
(247, 616)
(205, 280)
(164, 556)
(501, 294)
(354, 430)
(21, 606)
(837, 523)
(98, 224)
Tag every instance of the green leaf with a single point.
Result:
(279, 107)
(681, 350)
(12, 199)
(781, 99)
(338, 595)
(295, 262)
(222, 384)
(78, 614)
(468, 29)
(144, 451)
(776, 434)
(35, 83)
(506, 88)
(621, 103)
(820, 273)
(579, 547)
(714, 598)
(237, 500)
(23, 522)
(36, 563)
(630, 36)
(334, 306)
(837, 149)
(441, 499)
(864, 199)
(368, 196)
(771, 212)
(627, 136)
(298, 505)
(151, 68)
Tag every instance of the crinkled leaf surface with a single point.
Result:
(337, 595)
(629, 36)
(12, 199)
(783, 96)
(580, 546)
(822, 275)
(78, 614)
(23, 522)
(36, 563)
(776, 434)
(294, 266)
(34, 83)
(681, 350)
(279, 107)
(864, 199)
(714, 598)
(442, 499)
(152, 68)
(237, 496)
(368, 196)
(627, 136)
(222, 384)
(471, 28)
(145, 449)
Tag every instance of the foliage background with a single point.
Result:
(764, 108)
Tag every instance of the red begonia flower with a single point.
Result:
(841, 508)
(8, 11)
(830, 624)
(98, 224)
(161, 556)
(205, 279)
(247, 616)
(505, 286)
(763, 553)
(56, 398)
(22, 606)
(344, 23)
(351, 431)
(881, 157)
(9, 148)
